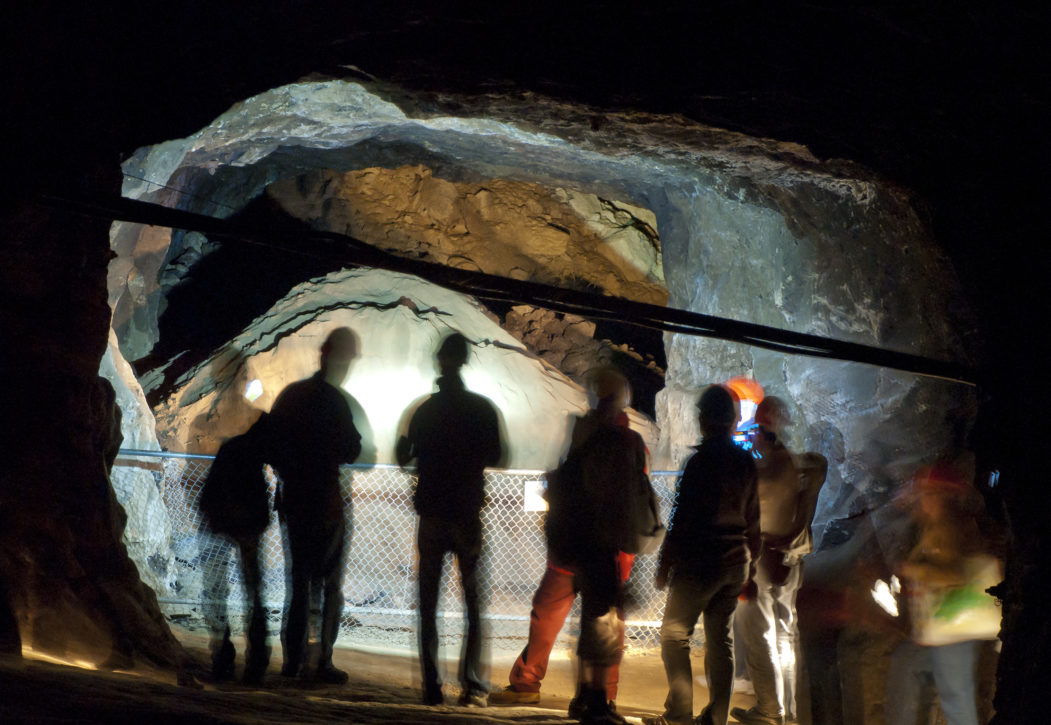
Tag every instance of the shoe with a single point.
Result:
(330, 675)
(662, 720)
(223, 661)
(577, 707)
(752, 716)
(256, 662)
(510, 696)
(604, 713)
(432, 697)
(475, 698)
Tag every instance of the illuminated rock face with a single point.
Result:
(400, 321)
(519, 230)
(749, 229)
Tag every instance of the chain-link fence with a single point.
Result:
(380, 582)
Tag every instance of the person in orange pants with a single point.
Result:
(552, 601)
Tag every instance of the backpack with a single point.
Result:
(235, 499)
(571, 520)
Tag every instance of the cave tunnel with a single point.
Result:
(629, 204)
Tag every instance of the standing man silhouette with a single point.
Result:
(453, 436)
(316, 433)
(708, 555)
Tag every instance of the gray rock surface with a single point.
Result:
(400, 320)
(750, 229)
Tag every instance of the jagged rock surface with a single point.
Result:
(750, 229)
(400, 320)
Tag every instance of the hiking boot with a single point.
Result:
(597, 710)
(577, 707)
(473, 698)
(510, 696)
(752, 716)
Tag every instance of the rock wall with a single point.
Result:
(400, 320)
(73, 588)
(750, 229)
(519, 230)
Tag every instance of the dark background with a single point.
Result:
(949, 100)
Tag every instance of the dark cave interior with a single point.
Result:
(952, 104)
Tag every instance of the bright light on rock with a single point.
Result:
(254, 390)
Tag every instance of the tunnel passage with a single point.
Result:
(642, 207)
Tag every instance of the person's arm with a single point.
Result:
(405, 450)
(753, 533)
(813, 469)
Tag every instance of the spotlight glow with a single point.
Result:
(254, 390)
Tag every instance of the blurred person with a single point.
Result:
(560, 584)
(788, 489)
(707, 557)
(236, 510)
(589, 524)
(940, 582)
(454, 435)
(315, 431)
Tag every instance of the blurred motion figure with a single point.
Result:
(788, 489)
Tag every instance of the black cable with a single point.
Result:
(345, 250)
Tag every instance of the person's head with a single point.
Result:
(717, 411)
(452, 353)
(772, 415)
(337, 352)
(608, 389)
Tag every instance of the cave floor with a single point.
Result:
(383, 688)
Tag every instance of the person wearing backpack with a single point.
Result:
(235, 507)
(558, 590)
(589, 524)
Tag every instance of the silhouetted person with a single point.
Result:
(707, 557)
(560, 584)
(313, 422)
(453, 436)
(767, 622)
(589, 524)
(236, 508)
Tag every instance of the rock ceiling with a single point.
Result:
(642, 206)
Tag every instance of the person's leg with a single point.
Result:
(257, 653)
(686, 600)
(551, 605)
(719, 643)
(331, 572)
(301, 533)
(757, 626)
(215, 556)
(788, 639)
(953, 666)
(908, 672)
(601, 632)
(468, 551)
(429, 542)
